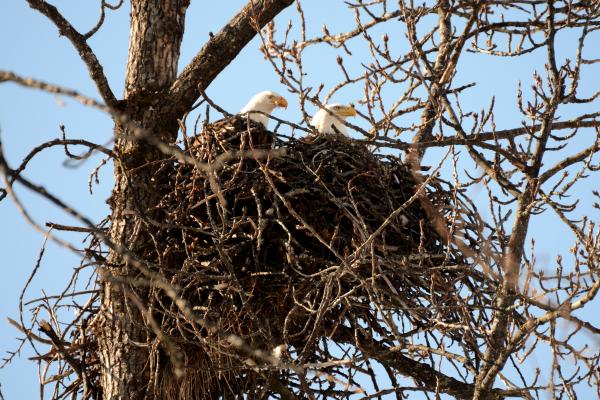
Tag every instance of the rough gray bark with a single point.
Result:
(157, 28)
(156, 33)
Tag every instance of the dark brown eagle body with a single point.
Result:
(237, 132)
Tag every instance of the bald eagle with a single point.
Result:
(263, 102)
(245, 129)
(330, 120)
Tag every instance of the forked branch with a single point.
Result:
(219, 52)
(79, 42)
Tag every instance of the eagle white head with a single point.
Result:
(264, 102)
(332, 121)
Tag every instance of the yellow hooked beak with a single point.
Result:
(280, 102)
(347, 111)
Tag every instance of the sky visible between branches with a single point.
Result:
(30, 46)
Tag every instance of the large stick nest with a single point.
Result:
(318, 248)
(295, 245)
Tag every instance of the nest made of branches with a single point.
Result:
(294, 245)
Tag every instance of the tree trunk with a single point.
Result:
(154, 99)
(155, 38)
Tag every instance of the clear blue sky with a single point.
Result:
(30, 45)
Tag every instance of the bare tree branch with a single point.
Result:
(79, 42)
(219, 51)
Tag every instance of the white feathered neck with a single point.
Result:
(262, 102)
(324, 122)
